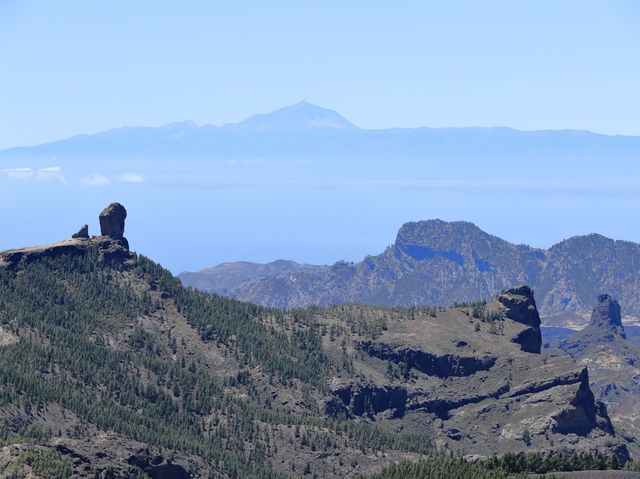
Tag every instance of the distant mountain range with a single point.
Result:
(304, 131)
(439, 263)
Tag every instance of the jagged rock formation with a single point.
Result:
(83, 233)
(474, 376)
(605, 327)
(518, 304)
(607, 313)
(439, 263)
(613, 361)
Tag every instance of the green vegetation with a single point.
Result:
(537, 463)
(217, 318)
(632, 466)
(443, 469)
(507, 466)
(66, 310)
(47, 464)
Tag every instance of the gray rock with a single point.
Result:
(83, 233)
(607, 312)
(112, 220)
(520, 306)
(413, 375)
(612, 361)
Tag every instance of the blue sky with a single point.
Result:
(71, 67)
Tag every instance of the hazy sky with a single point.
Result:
(69, 67)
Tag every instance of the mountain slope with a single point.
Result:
(111, 368)
(440, 263)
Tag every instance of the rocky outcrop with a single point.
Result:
(112, 221)
(368, 399)
(474, 375)
(580, 415)
(112, 248)
(83, 233)
(519, 305)
(605, 327)
(442, 366)
(607, 315)
(156, 466)
(612, 362)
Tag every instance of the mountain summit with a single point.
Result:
(299, 117)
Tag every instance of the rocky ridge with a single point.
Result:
(439, 263)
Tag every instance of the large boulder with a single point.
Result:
(112, 221)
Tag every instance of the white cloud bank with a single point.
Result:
(27, 173)
(19, 173)
(131, 177)
(95, 180)
(51, 173)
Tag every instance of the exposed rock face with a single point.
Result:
(477, 379)
(369, 399)
(155, 465)
(83, 233)
(613, 363)
(606, 313)
(112, 221)
(520, 306)
(605, 327)
(443, 366)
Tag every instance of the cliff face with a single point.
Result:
(440, 263)
(519, 305)
(475, 378)
(613, 361)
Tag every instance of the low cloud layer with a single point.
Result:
(19, 173)
(131, 177)
(27, 173)
(95, 180)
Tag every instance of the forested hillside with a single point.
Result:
(111, 368)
